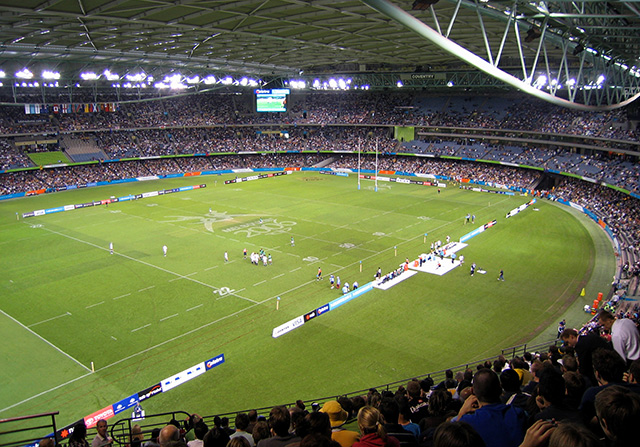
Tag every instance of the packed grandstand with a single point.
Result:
(554, 153)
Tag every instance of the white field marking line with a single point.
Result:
(278, 276)
(339, 266)
(167, 341)
(258, 283)
(146, 263)
(147, 288)
(141, 327)
(211, 268)
(291, 271)
(45, 392)
(114, 338)
(190, 274)
(44, 340)
(177, 337)
(194, 307)
(94, 305)
(170, 316)
(122, 296)
(292, 254)
(224, 296)
(50, 319)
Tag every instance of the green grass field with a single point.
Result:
(141, 317)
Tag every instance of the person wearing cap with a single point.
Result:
(338, 417)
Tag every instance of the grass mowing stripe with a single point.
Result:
(147, 264)
(44, 340)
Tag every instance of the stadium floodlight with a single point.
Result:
(160, 85)
(89, 76)
(540, 82)
(244, 81)
(297, 84)
(2, 74)
(316, 83)
(571, 82)
(450, 84)
(333, 83)
(342, 84)
(399, 84)
(47, 74)
(24, 74)
(111, 76)
(193, 80)
(211, 79)
(253, 83)
(138, 77)
(227, 80)
(600, 79)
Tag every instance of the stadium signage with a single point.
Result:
(255, 177)
(215, 361)
(183, 377)
(398, 180)
(149, 392)
(125, 403)
(93, 418)
(287, 327)
(59, 209)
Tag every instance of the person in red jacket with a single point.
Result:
(371, 424)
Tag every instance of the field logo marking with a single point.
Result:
(311, 259)
(424, 218)
(115, 211)
(264, 228)
(208, 219)
(379, 234)
(222, 291)
(152, 204)
(347, 245)
(37, 226)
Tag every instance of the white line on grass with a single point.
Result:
(258, 283)
(194, 307)
(147, 264)
(114, 338)
(141, 327)
(185, 276)
(210, 268)
(291, 271)
(45, 392)
(338, 266)
(94, 305)
(146, 288)
(44, 340)
(50, 319)
(122, 296)
(280, 275)
(170, 316)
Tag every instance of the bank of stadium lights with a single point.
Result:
(24, 74)
(50, 75)
(297, 84)
(227, 80)
(138, 77)
(111, 76)
(540, 82)
(399, 84)
(88, 76)
(209, 80)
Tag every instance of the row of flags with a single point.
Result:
(31, 109)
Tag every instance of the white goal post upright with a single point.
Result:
(376, 188)
(359, 148)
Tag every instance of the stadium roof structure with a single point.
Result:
(576, 53)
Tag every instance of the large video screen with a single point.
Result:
(272, 100)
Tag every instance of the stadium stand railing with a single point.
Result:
(25, 430)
